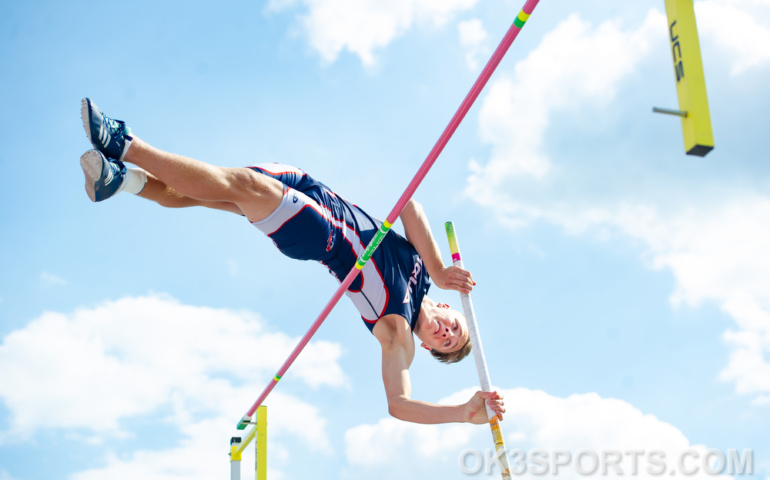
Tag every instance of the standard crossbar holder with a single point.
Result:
(669, 111)
(245, 421)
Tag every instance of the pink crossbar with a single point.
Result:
(478, 86)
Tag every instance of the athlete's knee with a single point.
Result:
(248, 185)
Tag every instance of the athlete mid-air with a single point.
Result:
(307, 221)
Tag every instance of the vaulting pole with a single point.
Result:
(478, 356)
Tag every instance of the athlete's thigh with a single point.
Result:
(255, 194)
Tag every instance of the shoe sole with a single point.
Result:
(85, 116)
(91, 163)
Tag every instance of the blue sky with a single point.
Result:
(623, 287)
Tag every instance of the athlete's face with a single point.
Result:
(443, 329)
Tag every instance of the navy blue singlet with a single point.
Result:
(313, 223)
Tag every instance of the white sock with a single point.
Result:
(134, 182)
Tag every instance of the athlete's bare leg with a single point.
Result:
(165, 196)
(178, 180)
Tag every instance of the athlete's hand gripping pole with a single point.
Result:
(478, 356)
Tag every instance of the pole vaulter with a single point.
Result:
(470, 98)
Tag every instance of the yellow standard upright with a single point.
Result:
(261, 446)
(690, 81)
(238, 445)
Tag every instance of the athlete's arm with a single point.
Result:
(418, 233)
(397, 343)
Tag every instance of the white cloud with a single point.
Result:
(716, 251)
(363, 26)
(200, 456)
(534, 420)
(49, 279)
(232, 267)
(712, 237)
(377, 445)
(202, 453)
(4, 475)
(98, 368)
(749, 365)
(575, 60)
(739, 28)
(472, 38)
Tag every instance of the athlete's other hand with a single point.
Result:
(454, 278)
(475, 409)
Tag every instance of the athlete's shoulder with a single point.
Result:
(393, 330)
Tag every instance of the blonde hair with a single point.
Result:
(452, 357)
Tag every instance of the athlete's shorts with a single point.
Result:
(300, 227)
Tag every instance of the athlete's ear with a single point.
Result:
(425, 346)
